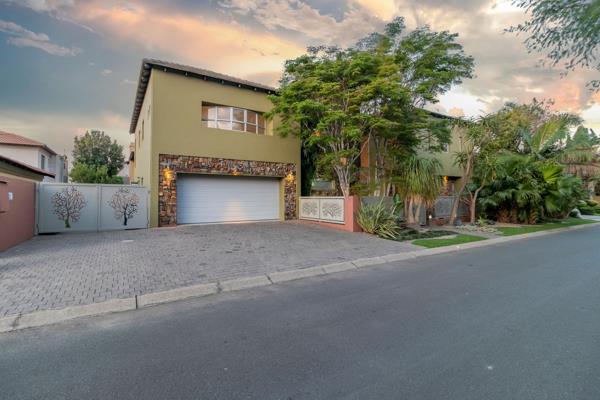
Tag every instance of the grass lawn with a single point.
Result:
(519, 230)
(459, 239)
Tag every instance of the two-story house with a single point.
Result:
(450, 172)
(35, 154)
(205, 150)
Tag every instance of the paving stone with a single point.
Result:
(58, 271)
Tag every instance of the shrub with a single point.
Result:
(378, 220)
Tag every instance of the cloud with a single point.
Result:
(41, 5)
(22, 37)
(189, 38)
(298, 16)
(106, 72)
(128, 82)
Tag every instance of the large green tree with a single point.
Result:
(320, 101)
(96, 158)
(341, 100)
(568, 31)
(425, 64)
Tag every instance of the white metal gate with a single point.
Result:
(73, 207)
(326, 209)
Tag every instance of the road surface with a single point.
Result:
(514, 321)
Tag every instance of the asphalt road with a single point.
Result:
(513, 321)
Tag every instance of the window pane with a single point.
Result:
(209, 124)
(209, 112)
(238, 114)
(225, 113)
(251, 117)
(261, 131)
(250, 128)
(261, 121)
(238, 126)
(224, 125)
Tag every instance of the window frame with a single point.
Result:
(231, 121)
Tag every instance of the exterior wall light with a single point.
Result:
(168, 175)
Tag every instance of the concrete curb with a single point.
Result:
(186, 292)
(292, 275)
(48, 317)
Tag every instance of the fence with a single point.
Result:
(65, 207)
(324, 209)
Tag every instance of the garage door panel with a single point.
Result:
(205, 199)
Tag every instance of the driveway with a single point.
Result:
(56, 271)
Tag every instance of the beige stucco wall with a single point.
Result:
(447, 158)
(143, 144)
(176, 128)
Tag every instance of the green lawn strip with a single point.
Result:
(510, 230)
(459, 239)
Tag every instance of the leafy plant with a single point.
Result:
(419, 185)
(377, 219)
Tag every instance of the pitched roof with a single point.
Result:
(24, 166)
(148, 64)
(17, 140)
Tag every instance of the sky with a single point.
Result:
(67, 66)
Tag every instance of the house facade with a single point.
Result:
(35, 154)
(450, 172)
(206, 151)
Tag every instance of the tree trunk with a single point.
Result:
(473, 205)
(463, 185)
(417, 216)
(408, 207)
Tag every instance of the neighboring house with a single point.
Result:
(35, 154)
(450, 172)
(205, 150)
(17, 200)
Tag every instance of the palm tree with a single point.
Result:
(419, 185)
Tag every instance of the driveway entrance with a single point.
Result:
(57, 271)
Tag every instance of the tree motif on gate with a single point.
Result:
(67, 205)
(332, 210)
(125, 204)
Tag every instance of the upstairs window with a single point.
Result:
(232, 119)
(43, 162)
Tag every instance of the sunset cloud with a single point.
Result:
(246, 38)
(194, 39)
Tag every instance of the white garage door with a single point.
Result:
(205, 199)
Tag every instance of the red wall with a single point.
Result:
(17, 216)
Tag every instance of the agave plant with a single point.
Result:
(377, 219)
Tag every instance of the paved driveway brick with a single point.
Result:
(56, 271)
